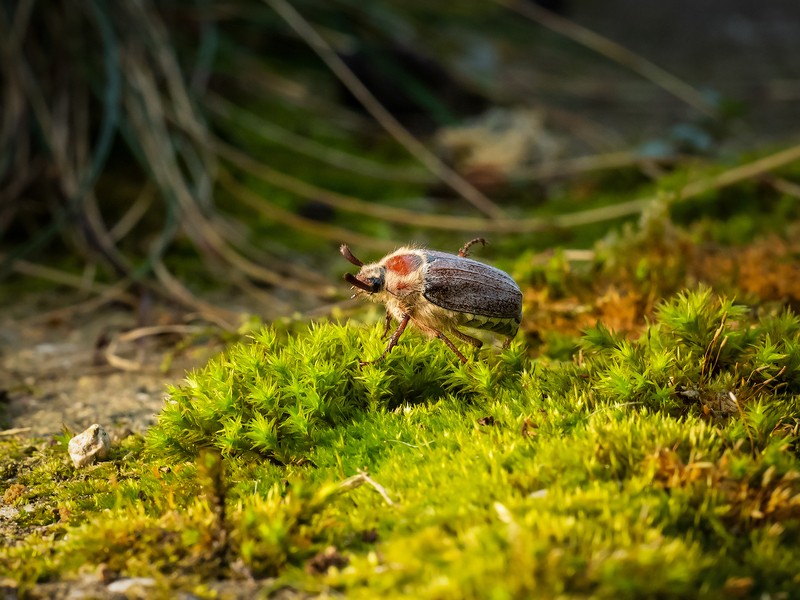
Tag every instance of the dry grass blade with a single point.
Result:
(116, 293)
(149, 116)
(135, 213)
(356, 481)
(304, 29)
(311, 148)
(126, 364)
(177, 291)
(732, 176)
(784, 186)
(610, 49)
(743, 172)
(278, 215)
(523, 225)
(310, 191)
(583, 164)
(68, 279)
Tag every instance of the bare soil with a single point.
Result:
(55, 373)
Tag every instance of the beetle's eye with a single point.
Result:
(376, 283)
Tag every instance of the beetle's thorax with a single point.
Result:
(405, 272)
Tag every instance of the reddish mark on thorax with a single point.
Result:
(403, 264)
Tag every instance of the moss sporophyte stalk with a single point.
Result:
(665, 465)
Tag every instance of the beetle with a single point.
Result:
(438, 292)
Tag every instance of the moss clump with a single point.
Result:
(661, 466)
(278, 396)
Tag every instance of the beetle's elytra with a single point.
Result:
(439, 292)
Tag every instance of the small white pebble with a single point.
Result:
(88, 446)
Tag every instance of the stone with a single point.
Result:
(88, 446)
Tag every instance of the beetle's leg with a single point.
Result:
(450, 345)
(467, 338)
(387, 324)
(435, 332)
(465, 248)
(392, 342)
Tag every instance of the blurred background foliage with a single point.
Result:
(217, 153)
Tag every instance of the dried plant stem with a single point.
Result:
(277, 214)
(115, 293)
(313, 149)
(471, 224)
(180, 293)
(612, 50)
(743, 172)
(134, 214)
(342, 201)
(355, 481)
(125, 364)
(784, 186)
(30, 269)
(736, 175)
(583, 164)
(148, 114)
(14, 431)
(304, 29)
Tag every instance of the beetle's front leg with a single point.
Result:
(387, 324)
(392, 342)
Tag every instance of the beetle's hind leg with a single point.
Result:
(466, 338)
(436, 333)
(451, 345)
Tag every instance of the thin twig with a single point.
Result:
(337, 66)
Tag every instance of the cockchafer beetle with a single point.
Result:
(438, 292)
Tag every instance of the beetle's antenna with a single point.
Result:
(356, 282)
(349, 255)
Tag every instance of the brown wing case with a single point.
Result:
(468, 286)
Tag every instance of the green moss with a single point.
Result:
(661, 466)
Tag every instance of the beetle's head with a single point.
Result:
(371, 278)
